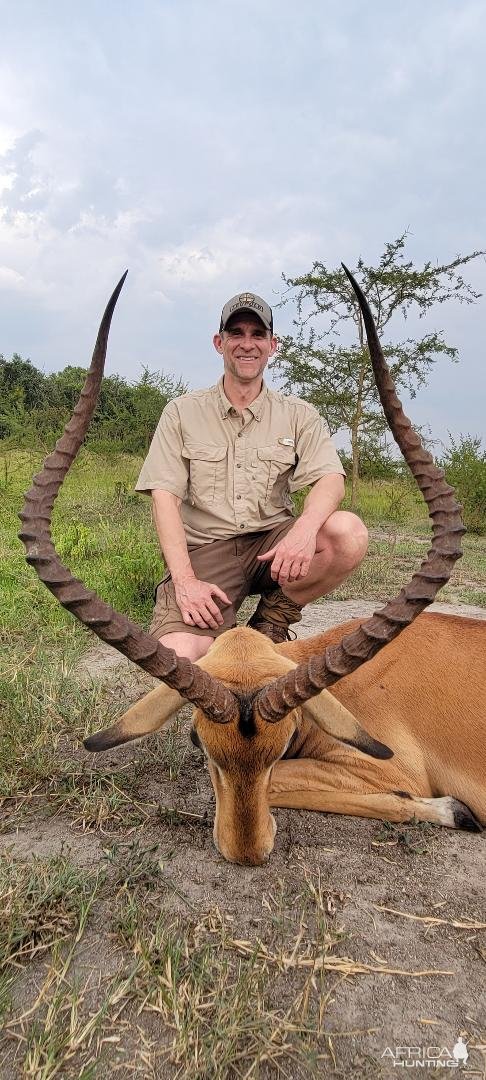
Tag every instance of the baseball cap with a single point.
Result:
(247, 301)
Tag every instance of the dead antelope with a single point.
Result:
(401, 734)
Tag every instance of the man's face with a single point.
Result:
(246, 346)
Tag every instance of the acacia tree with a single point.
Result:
(337, 378)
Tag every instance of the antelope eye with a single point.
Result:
(194, 737)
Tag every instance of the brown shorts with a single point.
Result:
(231, 564)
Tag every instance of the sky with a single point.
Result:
(212, 147)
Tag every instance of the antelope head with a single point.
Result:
(249, 700)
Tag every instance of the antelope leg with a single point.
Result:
(308, 785)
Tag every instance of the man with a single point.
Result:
(221, 467)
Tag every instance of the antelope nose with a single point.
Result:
(253, 859)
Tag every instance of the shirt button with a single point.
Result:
(238, 496)
(240, 433)
(238, 466)
(242, 526)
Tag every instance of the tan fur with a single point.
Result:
(423, 696)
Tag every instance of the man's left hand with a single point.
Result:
(292, 556)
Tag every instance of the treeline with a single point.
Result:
(35, 407)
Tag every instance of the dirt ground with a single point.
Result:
(406, 899)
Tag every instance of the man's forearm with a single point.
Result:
(170, 531)
(323, 499)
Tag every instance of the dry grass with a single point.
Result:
(225, 1011)
(186, 995)
(220, 1010)
(395, 553)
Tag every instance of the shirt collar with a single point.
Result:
(256, 406)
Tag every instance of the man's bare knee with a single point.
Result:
(346, 535)
(193, 646)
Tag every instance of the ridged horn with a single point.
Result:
(310, 677)
(197, 686)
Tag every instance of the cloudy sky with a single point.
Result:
(211, 146)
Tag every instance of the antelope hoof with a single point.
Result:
(464, 817)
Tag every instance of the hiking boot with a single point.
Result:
(274, 613)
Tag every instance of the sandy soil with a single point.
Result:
(363, 869)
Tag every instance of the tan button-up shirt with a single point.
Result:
(235, 471)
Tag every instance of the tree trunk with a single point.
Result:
(355, 465)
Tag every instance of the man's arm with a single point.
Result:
(292, 556)
(322, 500)
(194, 597)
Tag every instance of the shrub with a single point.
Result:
(464, 464)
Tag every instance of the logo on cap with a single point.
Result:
(250, 302)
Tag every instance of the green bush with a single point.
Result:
(464, 464)
(34, 407)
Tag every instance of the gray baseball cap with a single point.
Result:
(247, 301)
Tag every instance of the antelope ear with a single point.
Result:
(328, 713)
(147, 715)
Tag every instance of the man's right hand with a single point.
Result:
(195, 601)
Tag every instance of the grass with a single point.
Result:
(46, 711)
(95, 799)
(102, 530)
(104, 533)
(193, 992)
(190, 990)
(41, 903)
(394, 555)
(226, 1005)
(60, 1026)
(227, 1012)
(414, 836)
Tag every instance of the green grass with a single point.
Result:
(45, 905)
(42, 704)
(46, 711)
(102, 530)
(41, 903)
(385, 502)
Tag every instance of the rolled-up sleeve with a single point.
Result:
(164, 467)
(316, 454)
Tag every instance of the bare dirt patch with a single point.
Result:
(376, 933)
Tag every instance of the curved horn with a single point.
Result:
(291, 690)
(178, 672)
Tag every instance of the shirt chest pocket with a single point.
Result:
(207, 473)
(274, 465)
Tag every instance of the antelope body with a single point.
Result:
(420, 696)
(402, 733)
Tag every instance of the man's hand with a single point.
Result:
(292, 556)
(195, 601)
